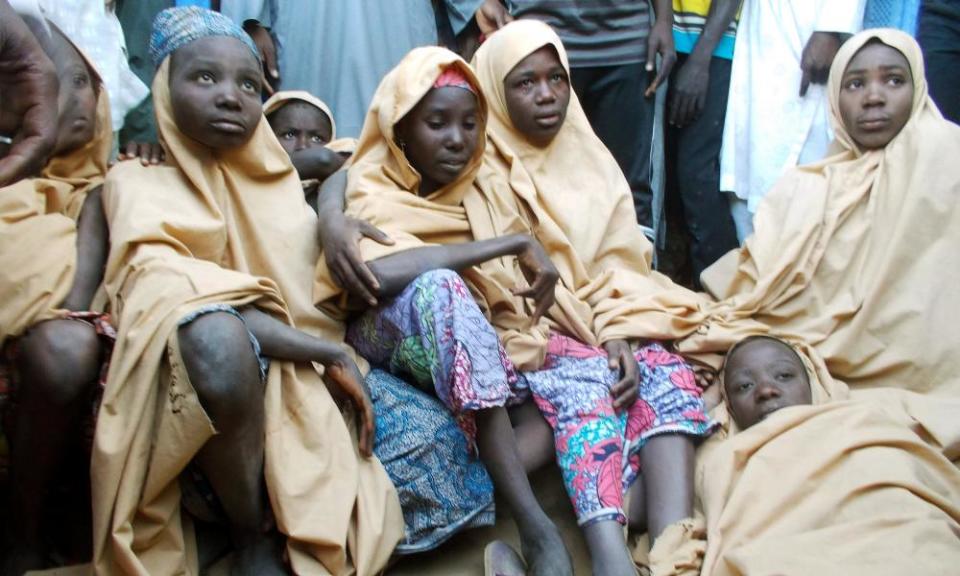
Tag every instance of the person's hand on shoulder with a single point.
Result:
(149, 153)
(28, 99)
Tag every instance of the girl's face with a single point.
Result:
(763, 376)
(215, 91)
(876, 95)
(440, 135)
(77, 100)
(537, 93)
(299, 126)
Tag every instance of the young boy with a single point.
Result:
(763, 374)
(305, 127)
(210, 269)
(54, 357)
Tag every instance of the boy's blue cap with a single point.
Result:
(174, 28)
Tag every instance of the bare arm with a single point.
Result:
(396, 271)
(341, 375)
(692, 81)
(93, 244)
(318, 162)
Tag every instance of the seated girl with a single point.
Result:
(537, 127)
(806, 481)
(421, 179)
(305, 127)
(56, 342)
(853, 254)
(226, 380)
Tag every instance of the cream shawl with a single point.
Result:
(229, 227)
(579, 190)
(857, 255)
(839, 487)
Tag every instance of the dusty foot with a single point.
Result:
(544, 551)
(18, 560)
(262, 558)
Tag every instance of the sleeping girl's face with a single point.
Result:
(440, 135)
(762, 376)
(77, 101)
(299, 125)
(876, 95)
(537, 93)
(215, 91)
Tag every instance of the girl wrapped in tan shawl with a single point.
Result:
(209, 268)
(855, 254)
(473, 223)
(824, 485)
(55, 341)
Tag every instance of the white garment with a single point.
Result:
(93, 26)
(769, 127)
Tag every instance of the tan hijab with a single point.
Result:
(579, 190)
(38, 239)
(857, 255)
(228, 227)
(480, 204)
(284, 97)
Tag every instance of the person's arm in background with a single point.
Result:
(660, 41)
(835, 22)
(692, 79)
(28, 107)
(472, 20)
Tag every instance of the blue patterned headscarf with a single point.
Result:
(174, 28)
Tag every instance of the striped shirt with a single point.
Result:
(594, 32)
(689, 19)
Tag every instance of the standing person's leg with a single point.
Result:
(938, 32)
(695, 174)
(57, 365)
(435, 332)
(612, 98)
(224, 369)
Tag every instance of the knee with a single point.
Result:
(441, 277)
(60, 359)
(221, 363)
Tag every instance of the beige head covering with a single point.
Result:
(228, 227)
(579, 191)
(284, 97)
(382, 189)
(38, 239)
(856, 255)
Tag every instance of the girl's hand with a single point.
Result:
(148, 153)
(541, 275)
(345, 383)
(340, 239)
(620, 357)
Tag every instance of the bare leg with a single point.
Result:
(637, 514)
(540, 541)
(223, 369)
(668, 469)
(608, 549)
(59, 361)
(534, 436)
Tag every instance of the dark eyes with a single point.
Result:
(744, 386)
(558, 77)
(288, 135)
(80, 80)
(316, 138)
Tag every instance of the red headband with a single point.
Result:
(453, 76)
